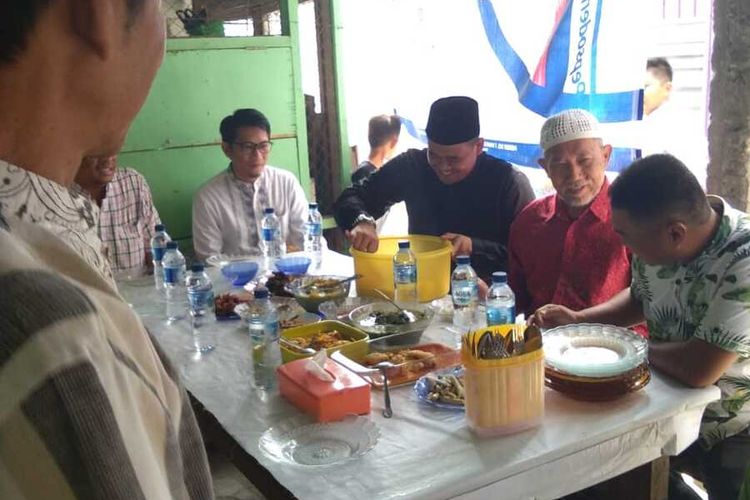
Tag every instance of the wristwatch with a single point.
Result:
(363, 218)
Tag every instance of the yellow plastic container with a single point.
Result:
(503, 396)
(433, 266)
(356, 350)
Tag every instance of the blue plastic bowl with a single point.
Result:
(293, 265)
(240, 272)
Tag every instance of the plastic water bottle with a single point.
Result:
(313, 233)
(465, 293)
(173, 266)
(501, 301)
(264, 329)
(405, 274)
(273, 243)
(158, 247)
(200, 293)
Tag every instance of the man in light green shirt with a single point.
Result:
(691, 283)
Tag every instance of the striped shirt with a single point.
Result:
(127, 218)
(90, 407)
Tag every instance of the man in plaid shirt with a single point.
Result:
(127, 215)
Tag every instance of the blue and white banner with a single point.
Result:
(524, 61)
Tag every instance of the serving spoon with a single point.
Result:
(383, 366)
(409, 315)
(295, 347)
(380, 367)
(393, 302)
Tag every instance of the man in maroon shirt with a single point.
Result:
(563, 249)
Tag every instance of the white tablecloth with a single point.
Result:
(430, 453)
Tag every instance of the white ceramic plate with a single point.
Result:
(298, 441)
(592, 350)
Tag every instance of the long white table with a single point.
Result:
(425, 452)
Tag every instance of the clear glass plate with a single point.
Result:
(220, 260)
(290, 313)
(340, 310)
(135, 281)
(363, 318)
(301, 442)
(443, 306)
(593, 350)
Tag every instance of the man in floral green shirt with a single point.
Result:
(691, 283)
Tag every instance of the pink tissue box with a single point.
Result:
(326, 401)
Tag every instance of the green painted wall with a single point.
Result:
(175, 139)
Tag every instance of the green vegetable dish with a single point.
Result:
(394, 318)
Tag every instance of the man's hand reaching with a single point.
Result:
(461, 244)
(363, 237)
(553, 315)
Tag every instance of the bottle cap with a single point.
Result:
(261, 293)
(499, 277)
(463, 259)
(313, 206)
(403, 244)
(197, 267)
(172, 245)
(159, 227)
(268, 210)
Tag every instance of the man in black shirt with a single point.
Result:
(382, 134)
(452, 189)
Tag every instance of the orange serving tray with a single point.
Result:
(410, 371)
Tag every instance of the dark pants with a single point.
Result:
(721, 469)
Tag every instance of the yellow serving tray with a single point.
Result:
(355, 350)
